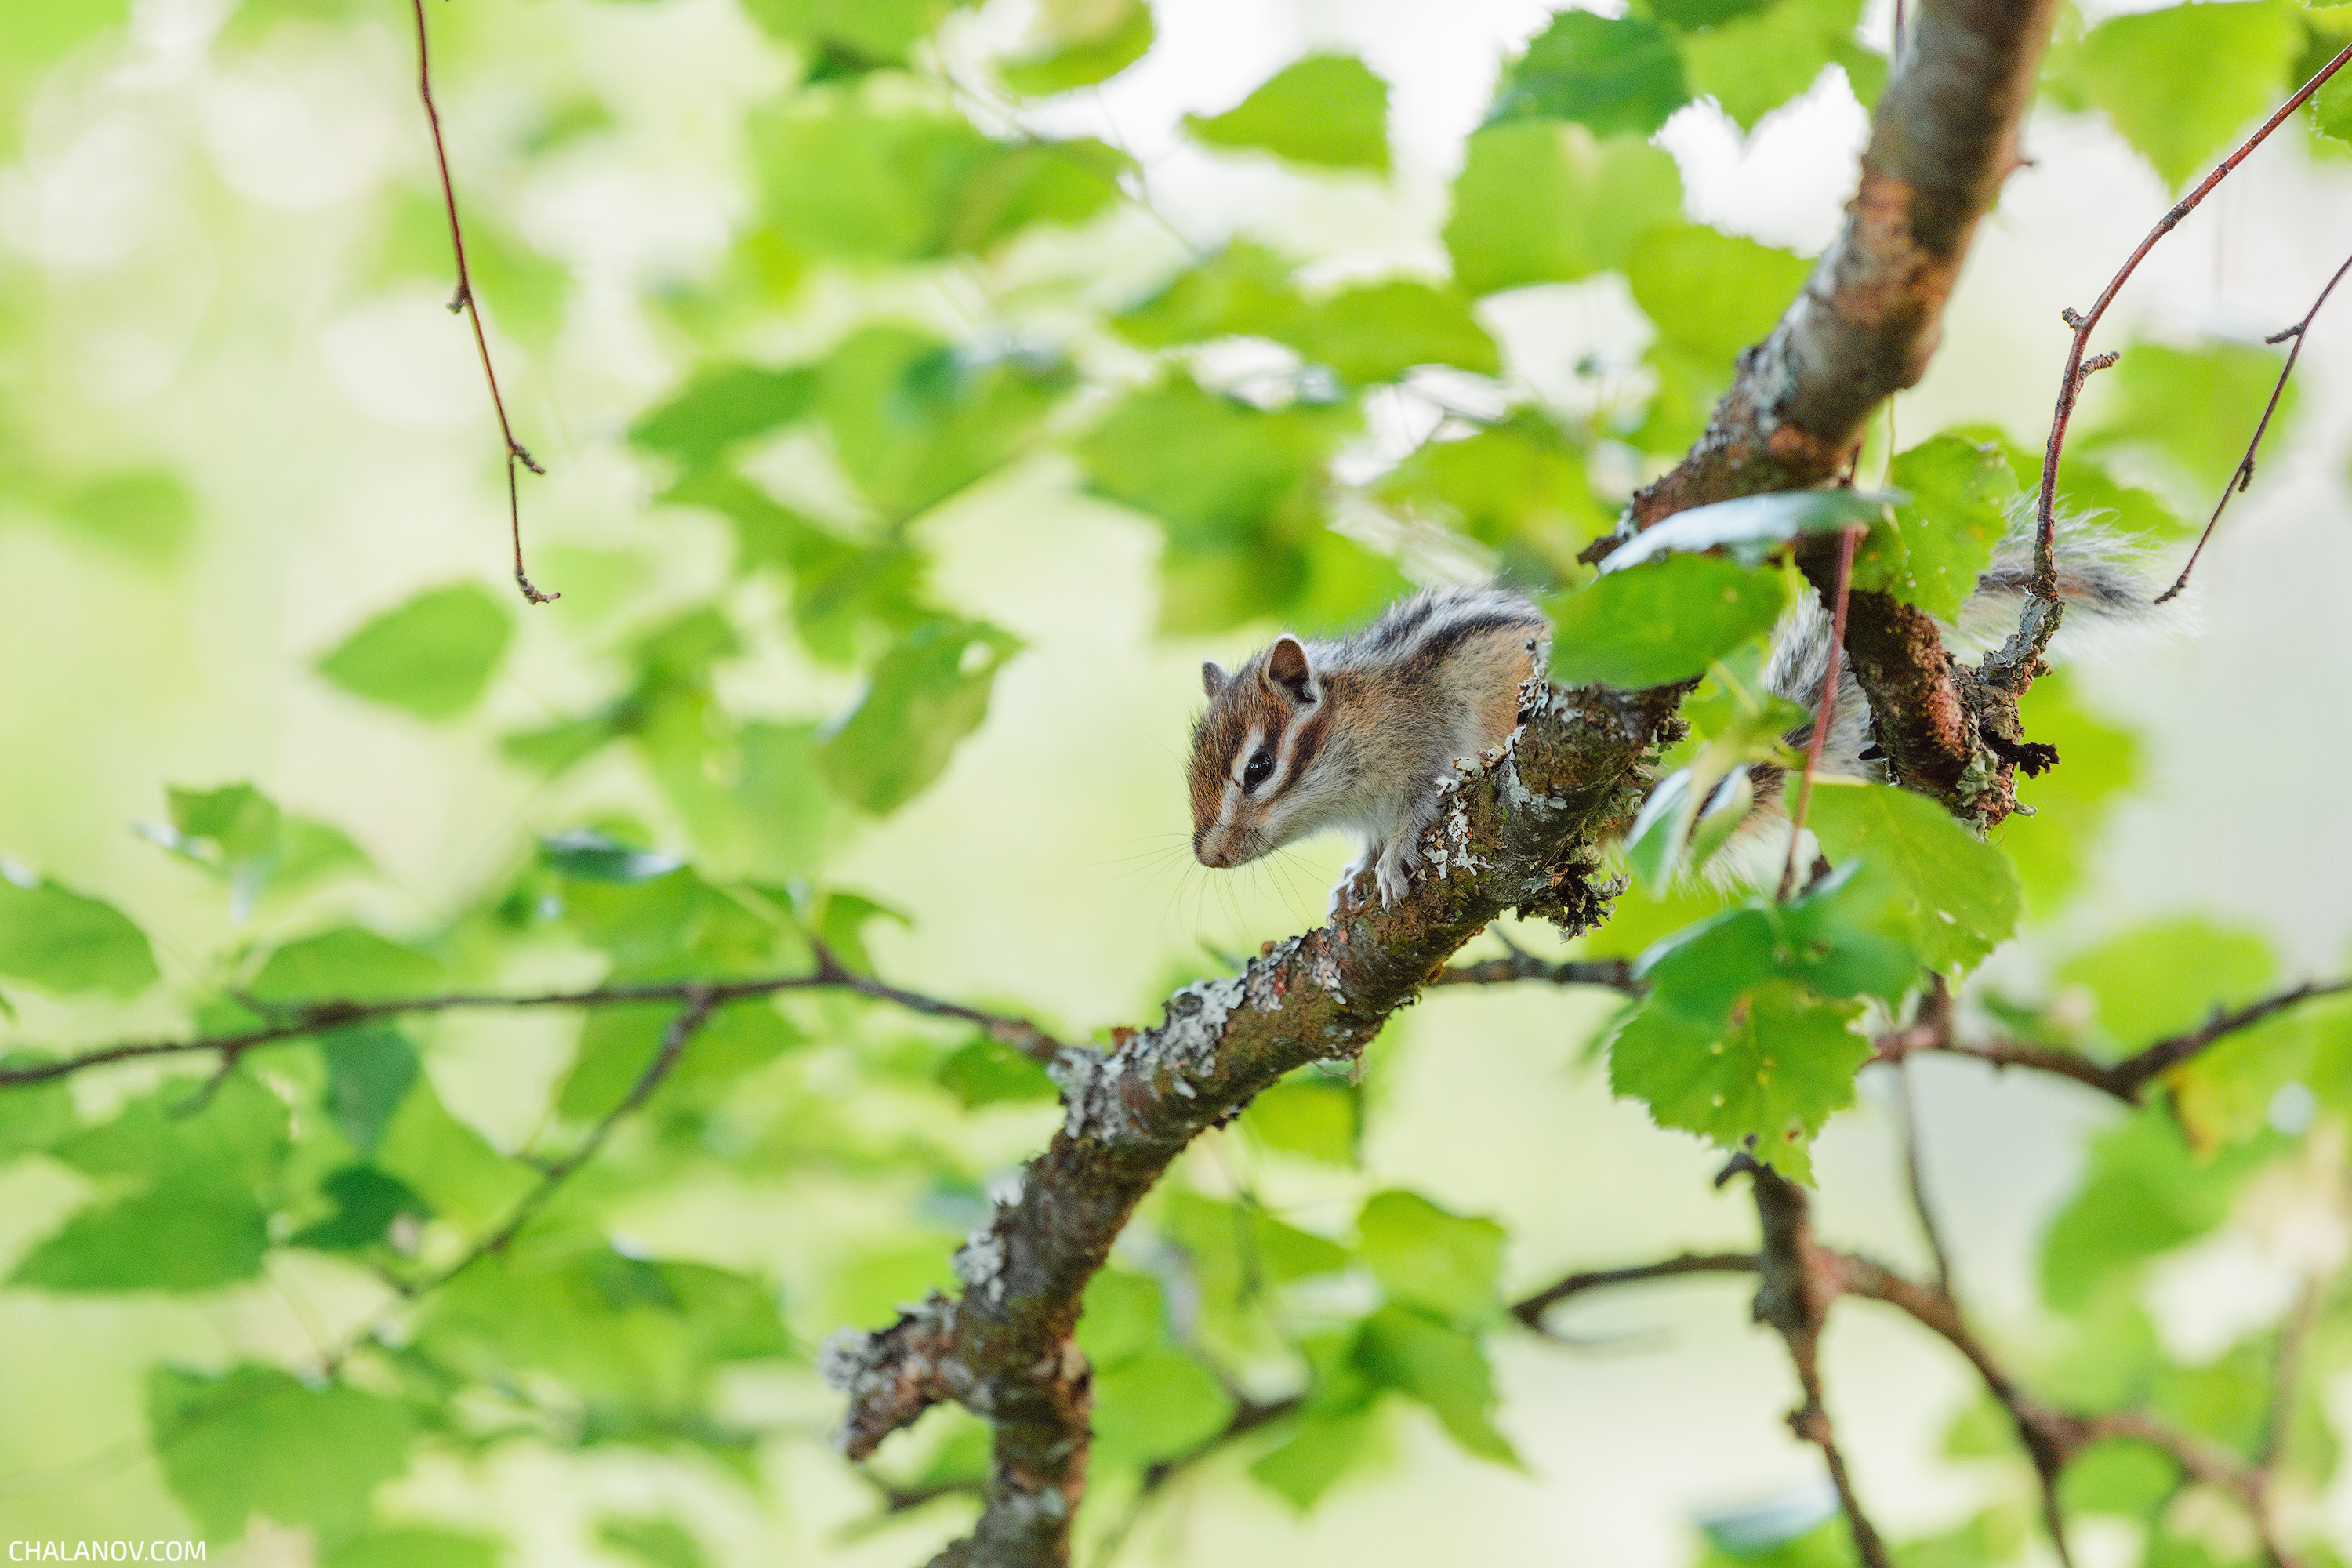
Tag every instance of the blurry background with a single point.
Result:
(236, 425)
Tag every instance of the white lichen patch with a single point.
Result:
(1183, 1046)
(980, 1263)
(891, 1377)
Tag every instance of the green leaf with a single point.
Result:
(925, 694)
(1751, 65)
(2180, 84)
(253, 1440)
(370, 1070)
(1784, 1063)
(1243, 290)
(586, 855)
(657, 1543)
(416, 1546)
(433, 657)
(2191, 410)
(1307, 1114)
(1380, 331)
(1157, 1406)
(1125, 1315)
(1943, 536)
(367, 1203)
(1088, 41)
(2166, 977)
(1239, 491)
(147, 512)
(1752, 530)
(196, 1174)
(1320, 1449)
(217, 1233)
(914, 420)
(983, 1072)
(1614, 76)
(61, 941)
(1928, 882)
(644, 1341)
(859, 34)
(1326, 111)
(2145, 1193)
(33, 36)
(1661, 622)
(1442, 1367)
(1425, 1258)
(347, 964)
(451, 1167)
(238, 833)
(618, 1044)
(1518, 486)
(848, 180)
(722, 407)
(1712, 294)
(1543, 202)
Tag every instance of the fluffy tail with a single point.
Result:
(2103, 580)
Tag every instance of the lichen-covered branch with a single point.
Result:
(1523, 833)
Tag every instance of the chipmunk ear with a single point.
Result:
(1213, 677)
(1289, 671)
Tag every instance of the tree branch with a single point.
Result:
(318, 1018)
(1801, 1278)
(1524, 833)
(2127, 1080)
(1532, 1310)
(1612, 973)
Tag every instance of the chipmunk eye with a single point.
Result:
(1260, 765)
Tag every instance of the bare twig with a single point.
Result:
(1825, 712)
(2243, 475)
(2070, 385)
(464, 299)
(1531, 1310)
(319, 1017)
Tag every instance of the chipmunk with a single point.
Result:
(1357, 733)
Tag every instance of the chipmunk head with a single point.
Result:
(1263, 771)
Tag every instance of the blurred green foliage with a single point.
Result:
(827, 421)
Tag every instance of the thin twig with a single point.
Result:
(465, 300)
(2243, 475)
(1531, 1310)
(2045, 564)
(1826, 712)
(319, 1017)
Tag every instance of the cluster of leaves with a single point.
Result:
(834, 470)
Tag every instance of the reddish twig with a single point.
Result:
(463, 299)
(2245, 474)
(1823, 715)
(2045, 564)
